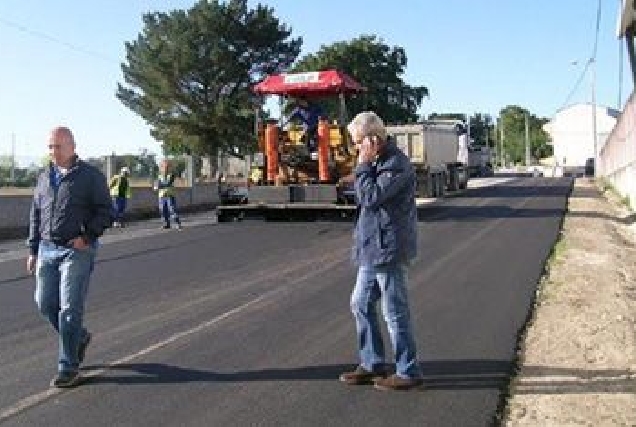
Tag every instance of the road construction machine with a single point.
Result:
(287, 180)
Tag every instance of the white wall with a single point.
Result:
(572, 133)
(617, 158)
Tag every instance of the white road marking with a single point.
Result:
(37, 398)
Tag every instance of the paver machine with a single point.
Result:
(287, 179)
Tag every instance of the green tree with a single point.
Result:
(481, 130)
(513, 120)
(6, 162)
(189, 73)
(379, 68)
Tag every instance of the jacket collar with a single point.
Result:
(388, 150)
(75, 162)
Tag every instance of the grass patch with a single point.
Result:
(547, 287)
(613, 194)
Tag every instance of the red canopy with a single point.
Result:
(311, 84)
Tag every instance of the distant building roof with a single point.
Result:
(612, 112)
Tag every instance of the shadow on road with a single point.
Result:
(438, 375)
(478, 213)
(538, 187)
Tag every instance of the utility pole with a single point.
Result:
(501, 142)
(619, 104)
(12, 158)
(594, 135)
(527, 143)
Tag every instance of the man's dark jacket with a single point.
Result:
(386, 228)
(81, 206)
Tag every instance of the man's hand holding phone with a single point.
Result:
(368, 150)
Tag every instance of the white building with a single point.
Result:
(572, 133)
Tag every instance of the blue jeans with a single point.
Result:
(119, 206)
(388, 283)
(168, 209)
(62, 276)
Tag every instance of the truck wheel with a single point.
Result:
(441, 181)
(463, 184)
(453, 185)
(432, 186)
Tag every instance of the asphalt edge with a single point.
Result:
(502, 413)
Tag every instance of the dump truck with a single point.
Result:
(438, 150)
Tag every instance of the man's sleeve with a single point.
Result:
(102, 208)
(33, 241)
(373, 187)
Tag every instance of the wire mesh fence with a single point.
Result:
(143, 169)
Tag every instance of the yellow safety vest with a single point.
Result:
(114, 184)
(165, 185)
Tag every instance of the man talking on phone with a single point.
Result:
(385, 239)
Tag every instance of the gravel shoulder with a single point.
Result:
(577, 360)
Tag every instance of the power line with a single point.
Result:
(576, 86)
(589, 62)
(48, 37)
(598, 27)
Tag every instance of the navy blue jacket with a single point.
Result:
(386, 228)
(81, 206)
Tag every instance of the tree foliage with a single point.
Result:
(513, 123)
(485, 131)
(189, 73)
(379, 68)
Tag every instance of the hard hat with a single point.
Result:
(125, 170)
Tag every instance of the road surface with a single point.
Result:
(248, 324)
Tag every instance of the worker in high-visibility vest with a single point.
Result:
(164, 186)
(120, 193)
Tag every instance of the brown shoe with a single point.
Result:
(395, 382)
(361, 376)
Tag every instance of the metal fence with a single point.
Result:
(143, 168)
(617, 157)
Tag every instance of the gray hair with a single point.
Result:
(367, 123)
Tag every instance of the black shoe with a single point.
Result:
(166, 226)
(66, 379)
(81, 352)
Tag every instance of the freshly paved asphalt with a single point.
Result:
(248, 324)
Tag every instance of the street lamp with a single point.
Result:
(592, 64)
(595, 135)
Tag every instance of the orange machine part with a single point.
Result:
(323, 151)
(271, 151)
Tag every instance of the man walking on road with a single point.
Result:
(71, 209)
(384, 242)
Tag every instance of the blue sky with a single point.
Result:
(60, 60)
